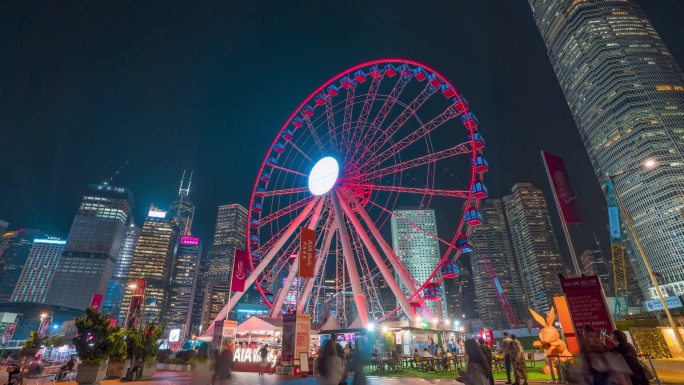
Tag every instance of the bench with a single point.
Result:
(69, 374)
(48, 372)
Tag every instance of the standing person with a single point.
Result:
(201, 366)
(505, 347)
(432, 345)
(330, 365)
(627, 351)
(263, 353)
(518, 360)
(225, 361)
(477, 373)
(487, 352)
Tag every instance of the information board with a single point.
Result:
(586, 304)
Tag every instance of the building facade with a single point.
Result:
(183, 209)
(538, 257)
(593, 263)
(418, 251)
(122, 268)
(183, 284)
(216, 296)
(152, 262)
(87, 263)
(491, 240)
(16, 248)
(38, 271)
(626, 93)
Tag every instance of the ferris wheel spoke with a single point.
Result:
(320, 261)
(460, 149)
(288, 170)
(314, 133)
(387, 133)
(411, 138)
(304, 154)
(285, 210)
(360, 127)
(412, 190)
(330, 117)
(345, 140)
(287, 191)
(379, 261)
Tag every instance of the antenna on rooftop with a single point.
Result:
(116, 173)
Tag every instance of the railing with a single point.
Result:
(561, 373)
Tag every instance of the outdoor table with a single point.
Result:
(428, 363)
(407, 361)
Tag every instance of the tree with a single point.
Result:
(93, 342)
(144, 344)
(32, 344)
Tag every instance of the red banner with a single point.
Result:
(240, 263)
(8, 333)
(96, 302)
(307, 252)
(562, 188)
(134, 315)
(586, 304)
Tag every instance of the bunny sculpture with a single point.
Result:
(549, 339)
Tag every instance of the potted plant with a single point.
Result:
(143, 348)
(117, 354)
(93, 344)
(32, 345)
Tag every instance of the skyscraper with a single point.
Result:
(117, 286)
(418, 251)
(538, 257)
(183, 283)
(93, 244)
(38, 271)
(626, 93)
(16, 248)
(592, 263)
(217, 265)
(491, 240)
(216, 296)
(183, 209)
(152, 262)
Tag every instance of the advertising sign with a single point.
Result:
(96, 302)
(44, 327)
(174, 335)
(307, 253)
(303, 334)
(8, 333)
(289, 328)
(614, 222)
(133, 317)
(586, 304)
(240, 265)
(562, 188)
(671, 302)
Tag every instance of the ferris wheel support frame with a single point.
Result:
(282, 294)
(317, 267)
(379, 262)
(357, 290)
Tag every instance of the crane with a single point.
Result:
(618, 253)
(505, 305)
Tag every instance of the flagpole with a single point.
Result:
(578, 271)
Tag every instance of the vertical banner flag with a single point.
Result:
(586, 304)
(240, 262)
(135, 308)
(289, 339)
(562, 188)
(96, 302)
(9, 332)
(307, 252)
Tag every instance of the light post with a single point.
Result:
(647, 165)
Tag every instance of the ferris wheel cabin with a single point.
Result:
(432, 292)
(469, 120)
(481, 164)
(319, 100)
(333, 90)
(478, 140)
(449, 270)
(265, 177)
(298, 122)
(473, 217)
(433, 79)
(360, 76)
(462, 244)
(420, 73)
(389, 70)
(254, 223)
(253, 239)
(479, 190)
(288, 134)
(279, 148)
(307, 110)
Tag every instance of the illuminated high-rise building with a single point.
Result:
(538, 257)
(88, 260)
(183, 209)
(16, 248)
(38, 271)
(117, 286)
(593, 263)
(626, 93)
(152, 262)
(418, 251)
(217, 265)
(216, 296)
(183, 284)
(491, 240)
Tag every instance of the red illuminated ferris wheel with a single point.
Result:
(380, 135)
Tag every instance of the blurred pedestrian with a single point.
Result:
(477, 372)
(201, 366)
(505, 347)
(224, 365)
(629, 354)
(263, 354)
(518, 360)
(330, 368)
(487, 352)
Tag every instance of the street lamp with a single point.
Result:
(650, 163)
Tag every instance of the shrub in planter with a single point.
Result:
(93, 344)
(117, 354)
(32, 345)
(143, 347)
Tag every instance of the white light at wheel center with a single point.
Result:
(323, 176)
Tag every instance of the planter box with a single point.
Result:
(90, 374)
(115, 370)
(147, 369)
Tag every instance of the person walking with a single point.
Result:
(330, 368)
(627, 351)
(263, 353)
(477, 373)
(487, 352)
(505, 347)
(201, 366)
(225, 362)
(518, 360)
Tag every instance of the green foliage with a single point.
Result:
(58, 341)
(144, 344)
(93, 342)
(636, 323)
(118, 346)
(31, 345)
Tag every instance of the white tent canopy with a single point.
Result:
(357, 324)
(260, 324)
(330, 324)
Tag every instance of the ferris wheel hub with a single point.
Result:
(323, 176)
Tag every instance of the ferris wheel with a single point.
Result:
(381, 135)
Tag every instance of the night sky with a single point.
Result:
(205, 86)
